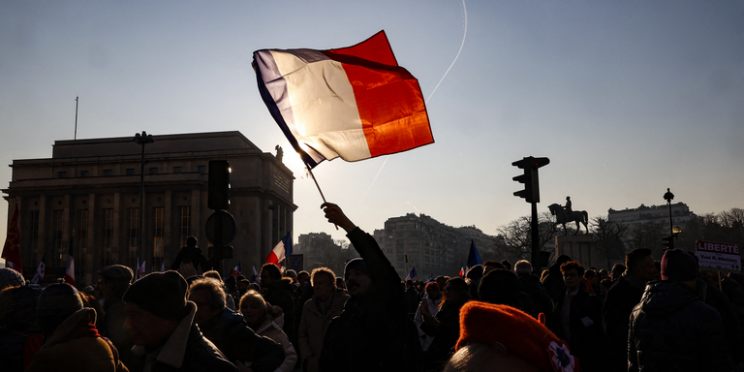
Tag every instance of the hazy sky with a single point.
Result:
(626, 98)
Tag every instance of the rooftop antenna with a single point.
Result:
(76, 113)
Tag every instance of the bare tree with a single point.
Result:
(608, 238)
(517, 236)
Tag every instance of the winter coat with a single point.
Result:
(113, 329)
(373, 333)
(238, 342)
(585, 326)
(185, 350)
(622, 297)
(279, 293)
(553, 282)
(539, 295)
(272, 328)
(18, 327)
(445, 335)
(76, 346)
(313, 326)
(413, 298)
(716, 299)
(419, 320)
(671, 329)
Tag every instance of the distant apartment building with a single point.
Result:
(320, 250)
(655, 213)
(433, 248)
(85, 200)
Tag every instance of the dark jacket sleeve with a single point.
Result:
(382, 272)
(269, 354)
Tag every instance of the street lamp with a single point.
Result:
(668, 197)
(142, 139)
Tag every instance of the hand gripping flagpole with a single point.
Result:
(310, 170)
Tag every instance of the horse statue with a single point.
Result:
(576, 216)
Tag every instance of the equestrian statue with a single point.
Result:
(567, 215)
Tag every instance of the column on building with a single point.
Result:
(91, 235)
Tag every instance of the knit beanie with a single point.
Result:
(431, 284)
(356, 263)
(678, 266)
(58, 300)
(162, 294)
(10, 278)
(519, 333)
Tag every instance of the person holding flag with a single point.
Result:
(374, 332)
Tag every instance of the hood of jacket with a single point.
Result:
(270, 322)
(173, 351)
(663, 298)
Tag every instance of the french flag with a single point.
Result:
(355, 103)
(281, 251)
(236, 270)
(70, 271)
(462, 271)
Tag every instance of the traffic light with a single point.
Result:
(219, 184)
(530, 178)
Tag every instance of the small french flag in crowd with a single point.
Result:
(281, 251)
(236, 270)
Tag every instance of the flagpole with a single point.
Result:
(310, 170)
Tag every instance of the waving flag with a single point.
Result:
(236, 270)
(462, 271)
(70, 270)
(473, 257)
(355, 103)
(411, 275)
(40, 271)
(12, 248)
(282, 250)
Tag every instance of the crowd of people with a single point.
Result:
(645, 315)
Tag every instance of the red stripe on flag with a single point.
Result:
(389, 100)
(272, 258)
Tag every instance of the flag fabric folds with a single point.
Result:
(236, 270)
(40, 271)
(70, 270)
(355, 103)
(12, 248)
(462, 271)
(473, 256)
(411, 275)
(281, 251)
(142, 269)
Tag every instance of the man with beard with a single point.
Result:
(373, 333)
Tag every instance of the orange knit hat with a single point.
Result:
(518, 332)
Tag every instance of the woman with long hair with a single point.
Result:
(267, 320)
(445, 326)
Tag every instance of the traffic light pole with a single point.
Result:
(531, 194)
(535, 240)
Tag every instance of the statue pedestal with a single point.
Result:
(581, 249)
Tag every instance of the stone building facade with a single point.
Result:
(85, 200)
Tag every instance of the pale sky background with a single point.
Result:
(626, 98)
